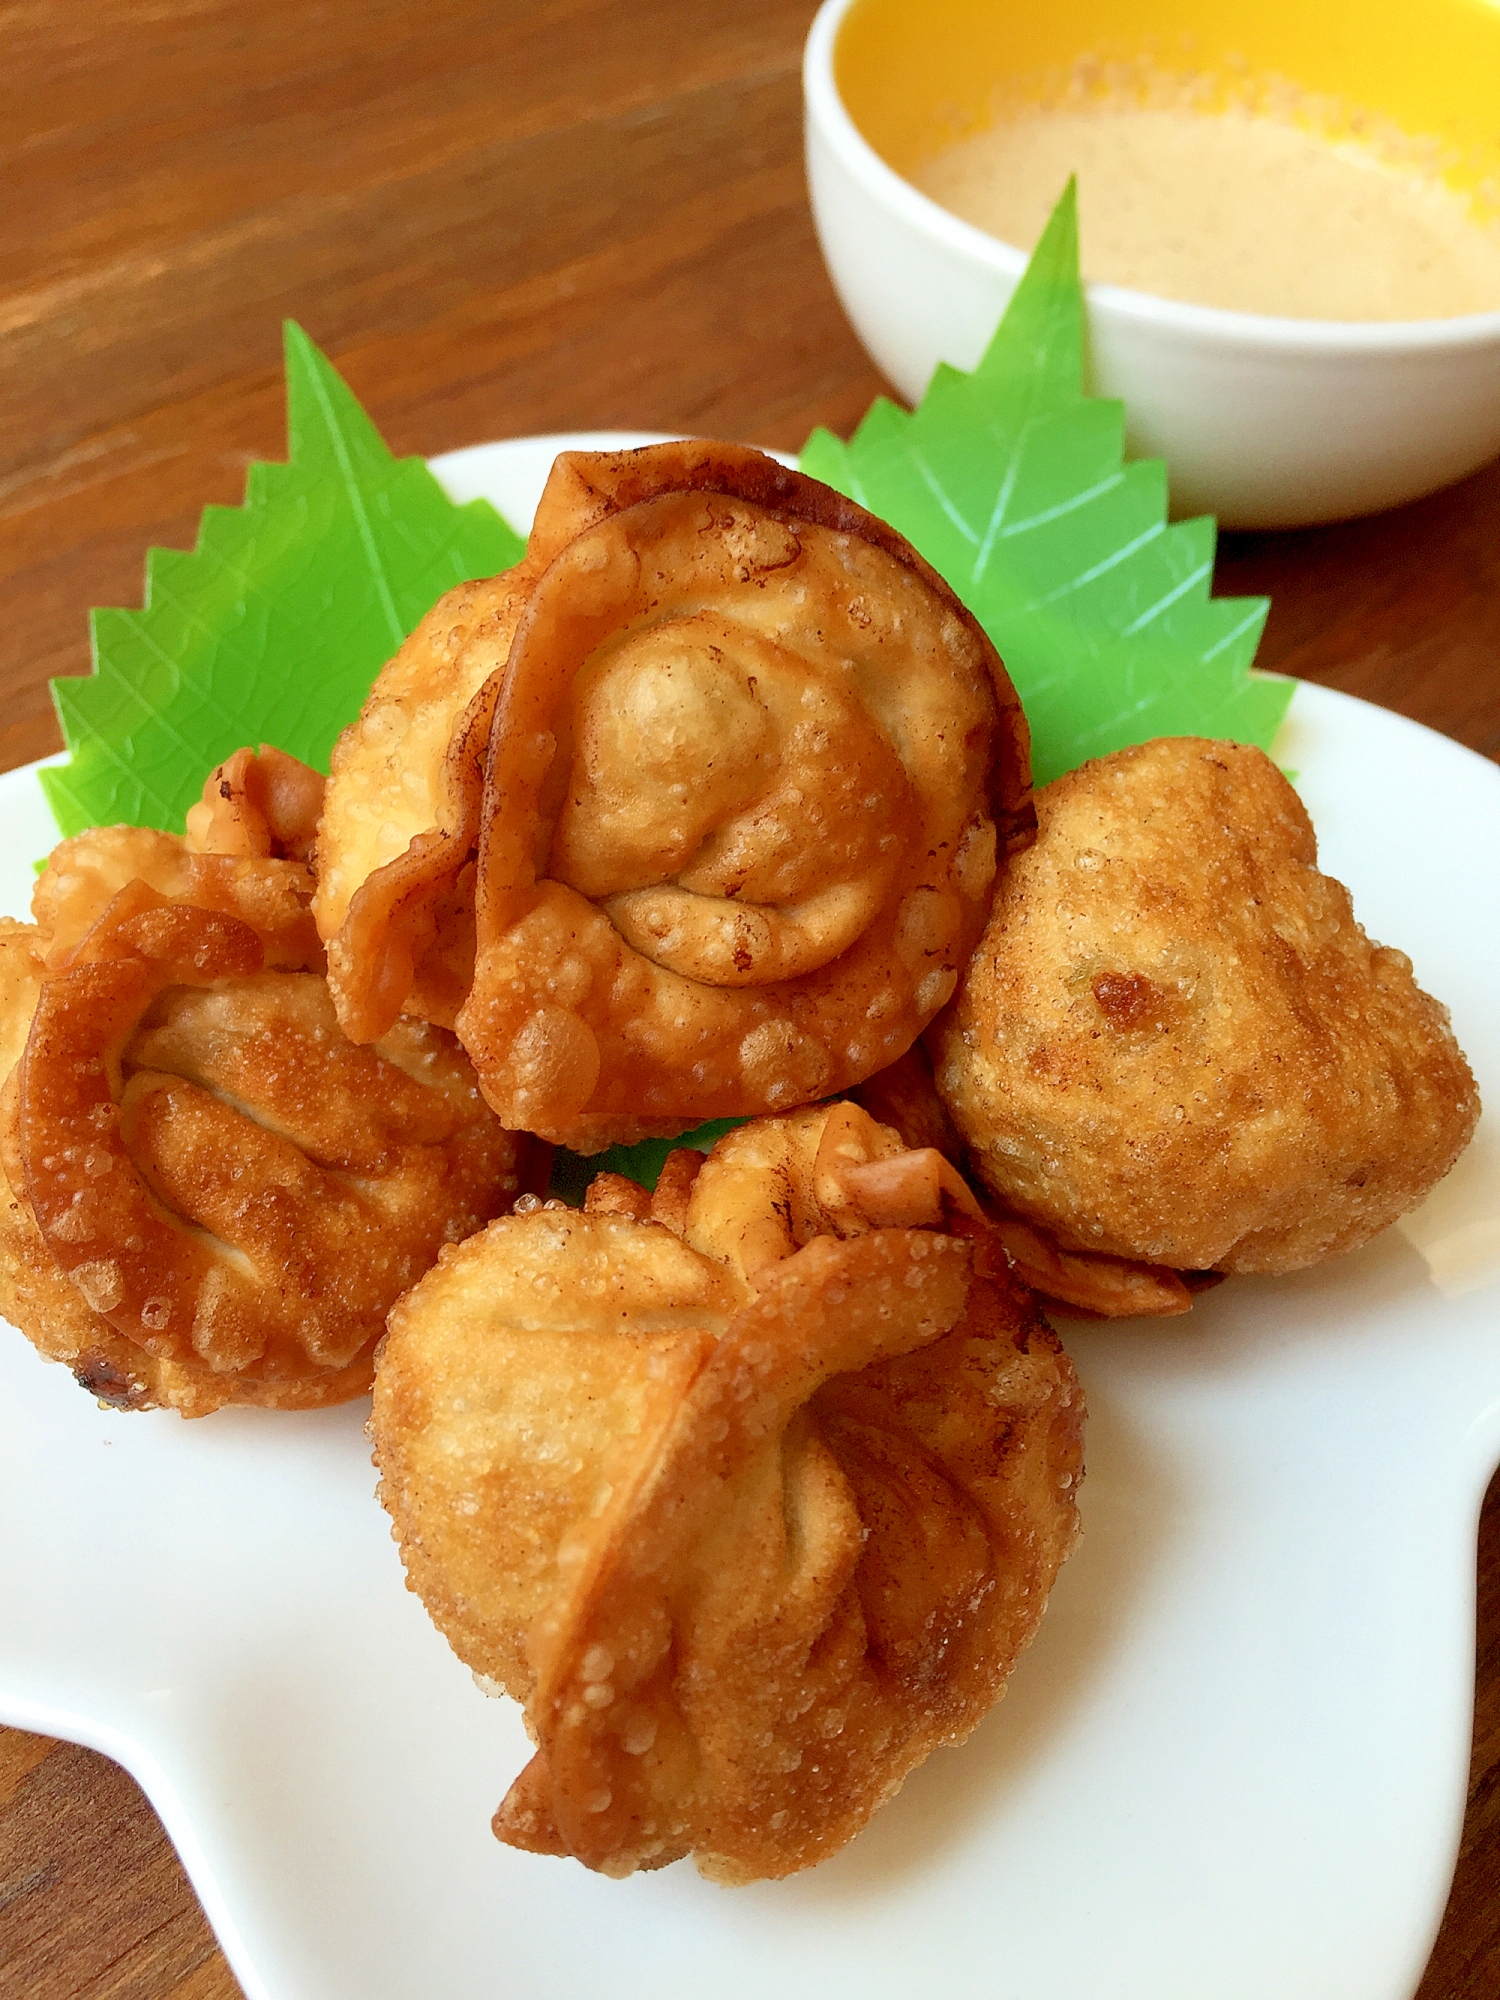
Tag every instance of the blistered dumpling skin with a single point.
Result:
(395, 898)
(750, 766)
(212, 1196)
(246, 853)
(1090, 1283)
(512, 1376)
(395, 849)
(1174, 1041)
(751, 1491)
(84, 875)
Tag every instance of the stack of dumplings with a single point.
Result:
(751, 1488)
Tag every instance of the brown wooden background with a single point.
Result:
(499, 219)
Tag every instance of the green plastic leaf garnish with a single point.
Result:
(1013, 483)
(643, 1162)
(272, 630)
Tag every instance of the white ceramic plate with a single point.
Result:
(1231, 1767)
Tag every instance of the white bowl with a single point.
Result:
(1265, 422)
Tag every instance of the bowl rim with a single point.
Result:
(1218, 325)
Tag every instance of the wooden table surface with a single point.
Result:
(563, 214)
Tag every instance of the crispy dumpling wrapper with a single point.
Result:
(258, 802)
(395, 897)
(246, 853)
(750, 763)
(395, 848)
(738, 788)
(751, 1516)
(213, 1196)
(1090, 1284)
(84, 875)
(1175, 1043)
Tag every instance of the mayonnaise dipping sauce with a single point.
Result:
(1227, 208)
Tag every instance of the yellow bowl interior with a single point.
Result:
(914, 74)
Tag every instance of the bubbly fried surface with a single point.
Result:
(1175, 1043)
(84, 875)
(905, 1097)
(720, 872)
(211, 1195)
(401, 815)
(395, 846)
(34, 1294)
(751, 1517)
(748, 761)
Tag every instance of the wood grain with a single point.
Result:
(92, 1898)
(500, 219)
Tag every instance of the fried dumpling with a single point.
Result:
(1175, 1042)
(213, 1196)
(1090, 1283)
(717, 774)
(750, 765)
(395, 896)
(400, 822)
(752, 1491)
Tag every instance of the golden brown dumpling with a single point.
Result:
(395, 848)
(1175, 1042)
(751, 1516)
(395, 895)
(246, 852)
(749, 765)
(84, 875)
(212, 1195)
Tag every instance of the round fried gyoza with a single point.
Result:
(727, 814)
(1175, 1042)
(740, 810)
(213, 1196)
(751, 1491)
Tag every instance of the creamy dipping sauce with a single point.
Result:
(1228, 208)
